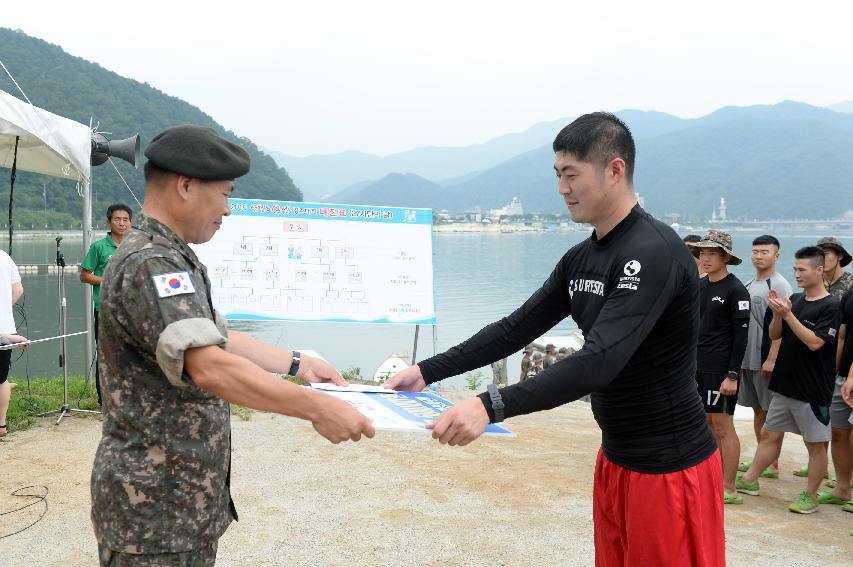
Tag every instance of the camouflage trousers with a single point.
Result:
(203, 556)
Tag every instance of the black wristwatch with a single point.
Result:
(294, 366)
(733, 375)
(497, 402)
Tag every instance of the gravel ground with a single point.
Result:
(400, 499)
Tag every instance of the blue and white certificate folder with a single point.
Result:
(399, 411)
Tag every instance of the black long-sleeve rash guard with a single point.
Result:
(634, 294)
(740, 335)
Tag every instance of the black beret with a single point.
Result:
(199, 152)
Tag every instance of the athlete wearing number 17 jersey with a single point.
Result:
(632, 288)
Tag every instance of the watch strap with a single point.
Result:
(294, 366)
(497, 402)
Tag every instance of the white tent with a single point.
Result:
(50, 145)
(47, 144)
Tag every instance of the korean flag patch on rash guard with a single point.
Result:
(177, 283)
(742, 305)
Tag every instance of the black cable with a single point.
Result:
(39, 498)
(12, 190)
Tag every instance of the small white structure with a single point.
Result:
(390, 366)
(718, 214)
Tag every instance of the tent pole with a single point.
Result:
(87, 301)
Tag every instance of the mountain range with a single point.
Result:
(788, 160)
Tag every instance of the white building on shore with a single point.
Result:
(513, 209)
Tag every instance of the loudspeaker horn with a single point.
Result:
(104, 148)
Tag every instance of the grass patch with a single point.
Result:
(46, 394)
(242, 412)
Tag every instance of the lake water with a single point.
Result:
(479, 278)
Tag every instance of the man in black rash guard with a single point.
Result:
(723, 325)
(632, 289)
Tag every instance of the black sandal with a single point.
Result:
(3, 433)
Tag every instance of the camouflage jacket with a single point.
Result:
(841, 286)
(160, 481)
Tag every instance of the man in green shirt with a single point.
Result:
(119, 217)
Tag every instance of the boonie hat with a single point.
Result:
(835, 244)
(716, 239)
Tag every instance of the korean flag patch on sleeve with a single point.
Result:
(177, 283)
(741, 305)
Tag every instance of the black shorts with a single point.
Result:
(709, 391)
(5, 363)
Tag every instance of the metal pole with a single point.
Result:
(415, 348)
(63, 330)
(87, 289)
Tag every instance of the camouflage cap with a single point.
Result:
(835, 244)
(716, 239)
(528, 348)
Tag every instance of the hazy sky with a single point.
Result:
(385, 76)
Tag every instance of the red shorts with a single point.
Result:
(659, 519)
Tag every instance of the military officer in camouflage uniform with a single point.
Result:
(837, 281)
(170, 367)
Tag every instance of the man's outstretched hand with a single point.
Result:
(409, 380)
(460, 424)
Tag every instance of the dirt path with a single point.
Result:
(401, 499)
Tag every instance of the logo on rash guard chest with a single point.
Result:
(586, 286)
(630, 280)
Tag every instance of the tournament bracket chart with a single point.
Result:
(281, 260)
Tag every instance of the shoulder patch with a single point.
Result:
(176, 283)
(742, 305)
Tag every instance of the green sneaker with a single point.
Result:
(729, 499)
(769, 473)
(830, 498)
(848, 506)
(805, 504)
(744, 466)
(750, 488)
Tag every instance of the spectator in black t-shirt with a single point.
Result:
(803, 378)
(723, 324)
